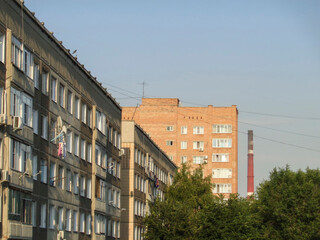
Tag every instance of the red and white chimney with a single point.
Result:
(250, 186)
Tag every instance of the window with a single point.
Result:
(183, 145)
(77, 107)
(170, 128)
(220, 157)
(76, 183)
(89, 116)
(54, 89)
(69, 180)
(222, 173)
(34, 214)
(222, 188)
(169, 143)
(35, 122)
(61, 177)
(36, 74)
(60, 218)
(68, 220)
(98, 154)
(2, 46)
(69, 141)
(88, 228)
(35, 167)
(183, 159)
(75, 221)
(83, 149)
(76, 145)
(84, 113)
(44, 129)
(52, 217)
(184, 130)
(198, 130)
(82, 222)
(101, 122)
(17, 53)
(19, 155)
(89, 188)
(43, 169)
(221, 128)
(53, 178)
(221, 142)
(61, 95)
(82, 186)
(69, 101)
(89, 152)
(118, 170)
(21, 105)
(44, 86)
(28, 63)
(43, 215)
(27, 111)
(198, 145)
(198, 159)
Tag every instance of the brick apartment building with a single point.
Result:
(193, 135)
(146, 170)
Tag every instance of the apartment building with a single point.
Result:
(193, 135)
(60, 138)
(146, 171)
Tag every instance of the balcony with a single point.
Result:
(19, 230)
(20, 180)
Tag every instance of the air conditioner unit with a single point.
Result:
(3, 119)
(200, 149)
(205, 161)
(5, 176)
(121, 152)
(17, 123)
(205, 157)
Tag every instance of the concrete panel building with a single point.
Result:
(146, 170)
(60, 138)
(194, 135)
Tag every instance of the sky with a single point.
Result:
(263, 56)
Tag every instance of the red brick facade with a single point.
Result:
(198, 134)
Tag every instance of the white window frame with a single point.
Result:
(2, 46)
(62, 95)
(222, 142)
(222, 188)
(44, 124)
(76, 106)
(184, 144)
(69, 101)
(184, 129)
(198, 130)
(222, 173)
(220, 157)
(44, 81)
(221, 128)
(53, 89)
(76, 144)
(184, 159)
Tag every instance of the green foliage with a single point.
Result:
(285, 207)
(289, 204)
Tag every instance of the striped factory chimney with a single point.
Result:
(250, 187)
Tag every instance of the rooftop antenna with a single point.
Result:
(143, 84)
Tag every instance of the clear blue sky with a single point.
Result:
(263, 56)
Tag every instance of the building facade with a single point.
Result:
(60, 138)
(193, 135)
(146, 171)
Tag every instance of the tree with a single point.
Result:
(178, 216)
(191, 211)
(289, 204)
